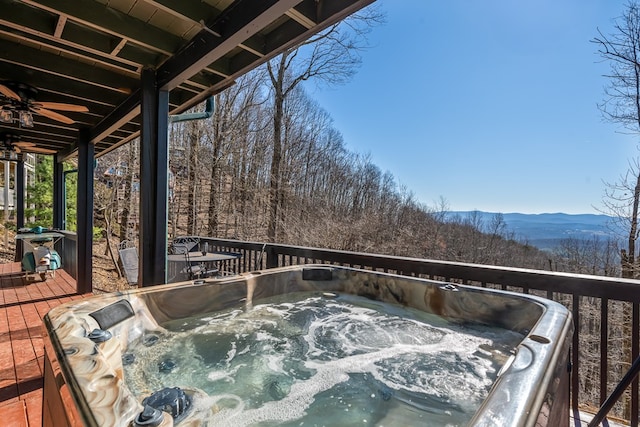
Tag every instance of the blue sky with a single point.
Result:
(491, 105)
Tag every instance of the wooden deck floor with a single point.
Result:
(23, 303)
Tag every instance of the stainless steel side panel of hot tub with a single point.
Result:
(531, 390)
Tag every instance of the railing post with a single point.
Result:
(272, 257)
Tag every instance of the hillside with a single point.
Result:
(546, 230)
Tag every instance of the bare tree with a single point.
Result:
(622, 105)
(195, 131)
(129, 177)
(621, 202)
(229, 145)
(330, 56)
(108, 190)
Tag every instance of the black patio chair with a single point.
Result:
(193, 271)
(190, 242)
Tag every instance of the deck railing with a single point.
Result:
(68, 250)
(603, 347)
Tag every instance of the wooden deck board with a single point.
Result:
(14, 414)
(23, 304)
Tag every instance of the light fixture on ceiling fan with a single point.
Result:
(18, 103)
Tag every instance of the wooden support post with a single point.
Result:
(154, 165)
(20, 192)
(58, 194)
(85, 214)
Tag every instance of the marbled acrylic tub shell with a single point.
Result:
(529, 390)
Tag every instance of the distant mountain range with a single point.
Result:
(545, 231)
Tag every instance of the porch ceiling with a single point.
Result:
(91, 52)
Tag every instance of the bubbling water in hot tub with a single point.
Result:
(324, 359)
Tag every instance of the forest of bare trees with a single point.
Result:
(221, 186)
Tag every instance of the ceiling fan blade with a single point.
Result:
(16, 149)
(52, 115)
(9, 93)
(61, 106)
(40, 150)
(24, 144)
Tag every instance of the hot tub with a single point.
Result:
(308, 345)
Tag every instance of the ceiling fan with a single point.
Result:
(12, 142)
(21, 98)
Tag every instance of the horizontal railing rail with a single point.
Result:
(603, 346)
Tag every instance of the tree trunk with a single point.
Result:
(128, 183)
(109, 249)
(192, 210)
(276, 159)
(218, 135)
(628, 259)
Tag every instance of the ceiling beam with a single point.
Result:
(301, 19)
(122, 114)
(31, 36)
(116, 50)
(196, 12)
(201, 15)
(326, 12)
(67, 67)
(244, 19)
(46, 83)
(62, 20)
(111, 21)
